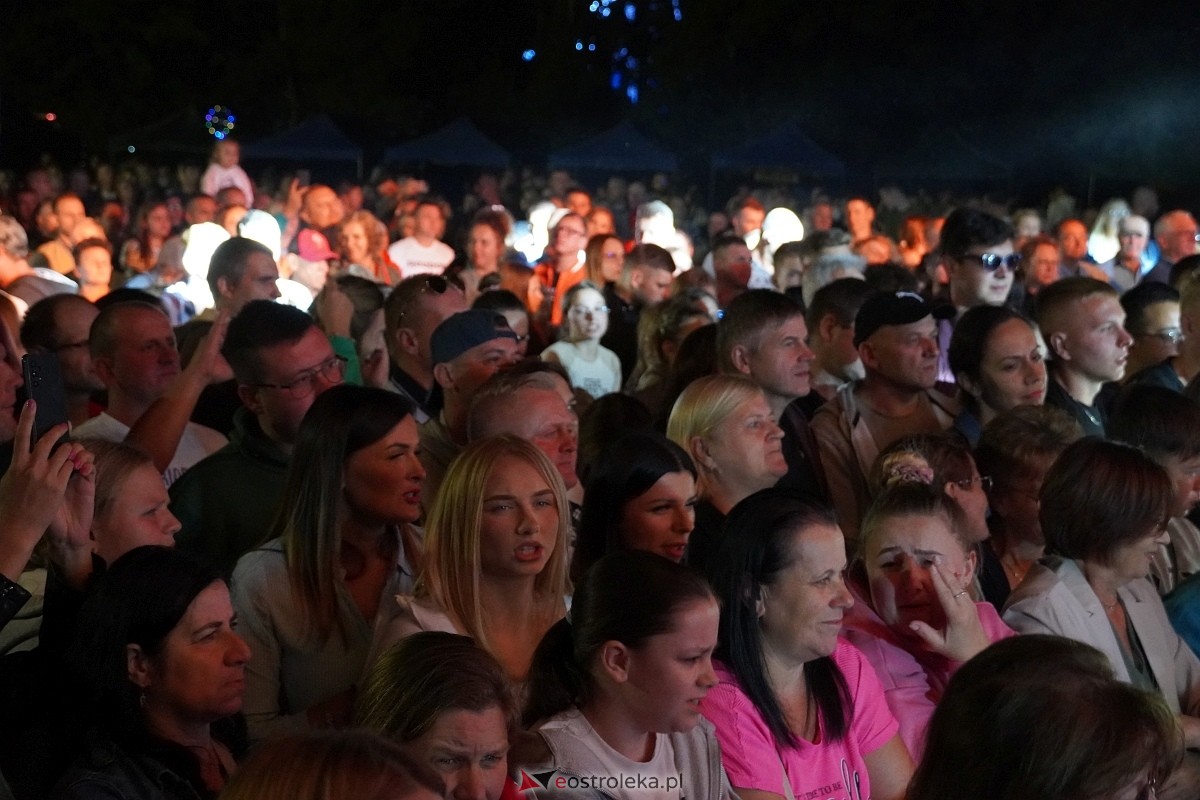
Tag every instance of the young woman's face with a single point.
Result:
(199, 674)
(355, 238)
(660, 519)
(469, 750)
(801, 612)
(747, 448)
(670, 673)
(383, 480)
(587, 316)
(484, 248)
(612, 260)
(136, 516)
(158, 222)
(519, 528)
(900, 558)
(1012, 372)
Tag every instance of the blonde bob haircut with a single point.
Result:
(705, 404)
(452, 567)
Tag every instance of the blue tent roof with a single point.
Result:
(315, 139)
(458, 144)
(619, 149)
(786, 147)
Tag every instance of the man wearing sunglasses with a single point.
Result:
(977, 254)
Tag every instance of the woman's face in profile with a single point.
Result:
(383, 480)
(198, 676)
(801, 612)
(469, 750)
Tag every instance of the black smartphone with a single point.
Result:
(44, 385)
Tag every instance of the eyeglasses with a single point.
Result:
(993, 261)
(1168, 335)
(572, 231)
(985, 481)
(583, 310)
(301, 386)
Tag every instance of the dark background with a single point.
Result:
(1097, 97)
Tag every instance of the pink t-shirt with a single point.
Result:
(817, 770)
(913, 679)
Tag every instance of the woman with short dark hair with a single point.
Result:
(1104, 510)
(163, 672)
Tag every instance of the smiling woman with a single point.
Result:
(799, 712)
(495, 565)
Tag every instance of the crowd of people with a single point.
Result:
(591, 493)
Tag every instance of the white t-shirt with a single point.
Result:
(415, 259)
(598, 377)
(196, 443)
(607, 771)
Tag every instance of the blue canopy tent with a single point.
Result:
(315, 139)
(620, 149)
(786, 147)
(459, 144)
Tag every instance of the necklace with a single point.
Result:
(1011, 568)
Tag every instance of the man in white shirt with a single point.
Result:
(423, 252)
(134, 355)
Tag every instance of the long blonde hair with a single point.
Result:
(453, 563)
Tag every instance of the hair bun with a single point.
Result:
(905, 467)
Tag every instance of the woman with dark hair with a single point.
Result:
(485, 249)
(1104, 511)
(799, 712)
(1041, 716)
(446, 702)
(640, 495)
(333, 765)
(162, 673)
(913, 616)
(1016, 450)
(616, 690)
(661, 331)
(140, 254)
(344, 545)
(997, 359)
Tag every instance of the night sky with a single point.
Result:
(1071, 92)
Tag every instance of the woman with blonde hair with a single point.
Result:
(726, 425)
(495, 565)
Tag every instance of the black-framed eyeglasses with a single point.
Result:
(1168, 335)
(993, 261)
(301, 386)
